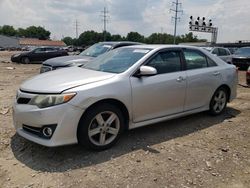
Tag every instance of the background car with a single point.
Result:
(241, 58)
(222, 53)
(125, 88)
(84, 57)
(2, 49)
(38, 54)
(248, 76)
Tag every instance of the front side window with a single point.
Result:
(215, 51)
(118, 60)
(222, 52)
(166, 62)
(194, 59)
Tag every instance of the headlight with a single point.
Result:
(16, 55)
(43, 101)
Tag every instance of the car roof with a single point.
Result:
(114, 43)
(161, 46)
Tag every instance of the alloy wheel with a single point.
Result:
(104, 128)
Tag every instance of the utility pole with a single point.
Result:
(176, 11)
(76, 26)
(105, 20)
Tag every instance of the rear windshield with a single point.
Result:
(96, 50)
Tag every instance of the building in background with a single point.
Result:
(10, 43)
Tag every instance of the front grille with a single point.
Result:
(22, 100)
(237, 60)
(33, 130)
(45, 69)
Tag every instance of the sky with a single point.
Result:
(232, 17)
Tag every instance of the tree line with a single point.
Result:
(29, 32)
(90, 37)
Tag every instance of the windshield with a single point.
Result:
(243, 51)
(96, 50)
(208, 48)
(118, 60)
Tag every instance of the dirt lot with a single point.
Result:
(195, 151)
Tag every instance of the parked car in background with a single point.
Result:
(38, 54)
(84, 57)
(2, 49)
(125, 88)
(222, 53)
(241, 58)
(248, 76)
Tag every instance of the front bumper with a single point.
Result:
(16, 59)
(65, 117)
(241, 63)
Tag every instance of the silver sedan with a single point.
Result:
(124, 89)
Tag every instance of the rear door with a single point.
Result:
(51, 52)
(203, 77)
(38, 54)
(162, 94)
(225, 55)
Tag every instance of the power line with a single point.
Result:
(76, 25)
(105, 20)
(176, 11)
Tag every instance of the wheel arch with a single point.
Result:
(114, 102)
(227, 88)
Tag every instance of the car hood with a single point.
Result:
(18, 54)
(241, 56)
(67, 60)
(63, 79)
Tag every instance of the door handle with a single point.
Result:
(180, 79)
(216, 73)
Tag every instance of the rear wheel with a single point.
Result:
(25, 60)
(218, 102)
(100, 127)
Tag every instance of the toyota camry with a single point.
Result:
(126, 88)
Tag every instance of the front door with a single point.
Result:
(162, 94)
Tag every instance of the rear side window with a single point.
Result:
(195, 59)
(210, 62)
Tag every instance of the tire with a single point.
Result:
(100, 127)
(218, 102)
(25, 60)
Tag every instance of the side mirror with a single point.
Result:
(147, 71)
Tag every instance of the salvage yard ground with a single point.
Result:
(194, 151)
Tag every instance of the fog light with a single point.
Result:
(47, 131)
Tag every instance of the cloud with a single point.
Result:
(143, 16)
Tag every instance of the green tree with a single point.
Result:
(135, 37)
(37, 32)
(68, 41)
(117, 37)
(8, 30)
(89, 37)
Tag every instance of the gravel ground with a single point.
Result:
(194, 151)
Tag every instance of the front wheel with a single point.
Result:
(218, 102)
(100, 127)
(25, 60)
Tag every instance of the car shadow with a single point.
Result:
(60, 159)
